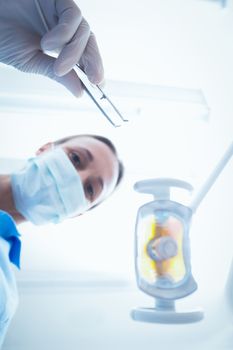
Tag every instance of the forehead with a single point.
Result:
(104, 163)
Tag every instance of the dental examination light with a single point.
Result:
(162, 248)
(95, 92)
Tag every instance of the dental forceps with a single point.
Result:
(96, 94)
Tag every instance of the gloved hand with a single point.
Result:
(24, 37)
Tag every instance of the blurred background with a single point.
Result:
(168, 68)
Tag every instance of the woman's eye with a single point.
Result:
(90, 191)
(75, 159)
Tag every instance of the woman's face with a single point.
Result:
(96, 164)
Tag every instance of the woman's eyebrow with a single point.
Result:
(101, 183)
(87, 154)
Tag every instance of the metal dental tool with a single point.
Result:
(97, 95)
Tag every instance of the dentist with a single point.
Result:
(65, 179)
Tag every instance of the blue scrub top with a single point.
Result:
(9, 232)
(9, 253)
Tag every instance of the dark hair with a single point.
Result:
(103, 139)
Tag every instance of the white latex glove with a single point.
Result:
(23, 38)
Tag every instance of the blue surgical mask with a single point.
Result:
(49, 189)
